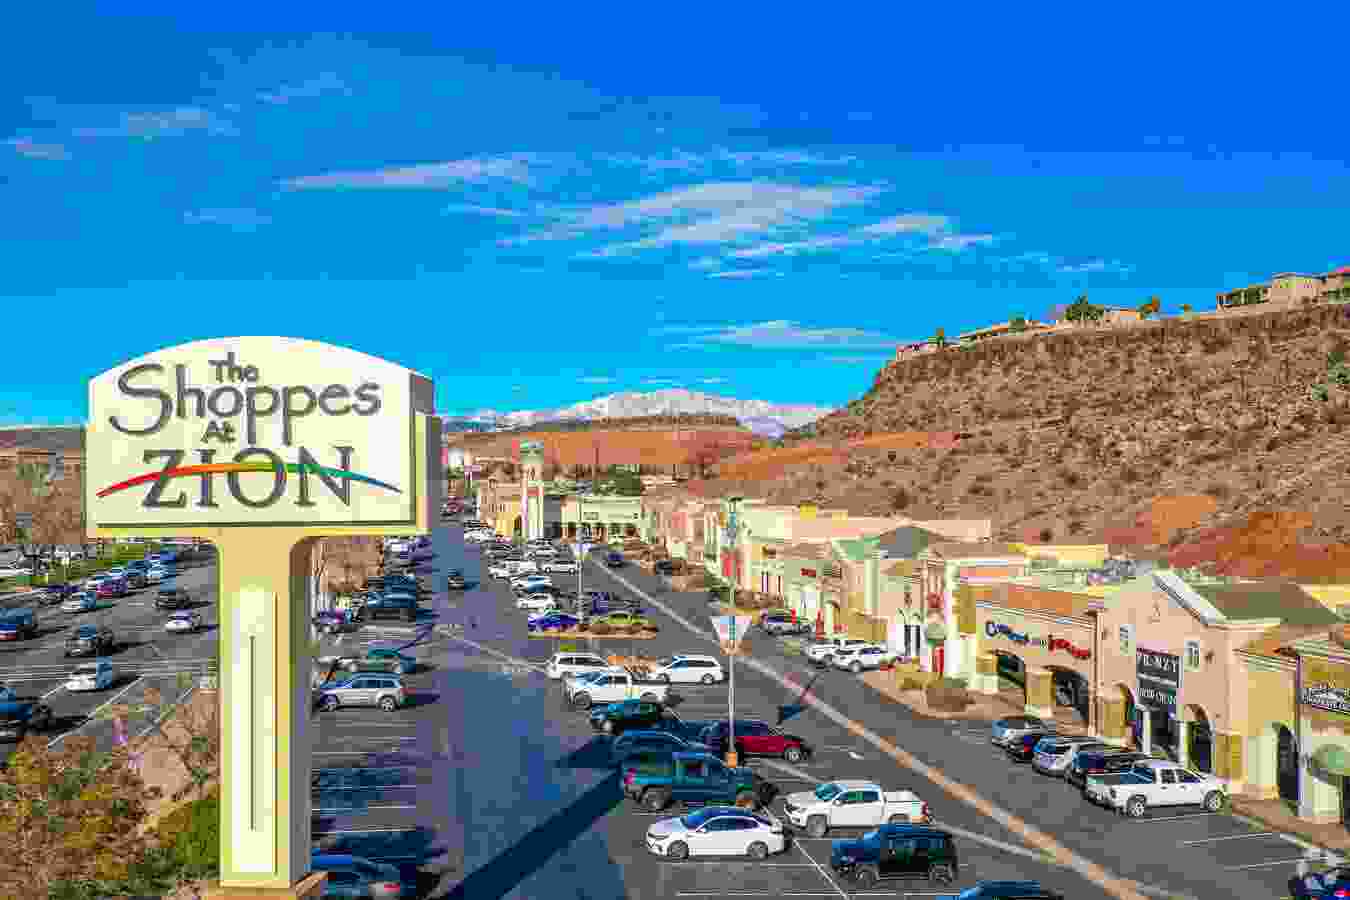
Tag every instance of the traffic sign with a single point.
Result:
(730, 630)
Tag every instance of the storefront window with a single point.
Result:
(1192, 656)
(1126, 638)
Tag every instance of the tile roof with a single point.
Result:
(1270, 643)
(906, 542)
(1271, 599)
(1026, 597)
(970, 549)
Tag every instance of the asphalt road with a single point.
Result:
(145, 655)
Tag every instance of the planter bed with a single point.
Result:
(574, 634)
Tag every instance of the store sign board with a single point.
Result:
(1159, 676)
(1050, 643)
(1326, 686)
(246, 431)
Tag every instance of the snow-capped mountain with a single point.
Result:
(760, 416)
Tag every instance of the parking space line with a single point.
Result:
(370, 787)
(89, 716)
(824, 874)
(365, 809)
(731, 859)
(362, 831)
(1147, 821)
(1264, 865)
(1232, 837)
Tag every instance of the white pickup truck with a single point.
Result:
(1155, 782)
(612, 688)
(822, 652)
(853, 804)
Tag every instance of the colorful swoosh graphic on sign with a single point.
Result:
(228, 468)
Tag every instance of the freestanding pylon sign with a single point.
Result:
(262, 445)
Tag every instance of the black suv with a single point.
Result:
(18, 717)
(172, 598)
(455, 581)
(90, 640)
(896, 851)
(1023, 748)
(397, 606)
(1100, 762)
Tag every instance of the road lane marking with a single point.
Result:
(823, 873)
(371, 787)
(52, 691)
(1147, 821)
(89, 717)
(1266, 865)
(362, 831)
(1232, 837)
(1116, 885)
(365, 808)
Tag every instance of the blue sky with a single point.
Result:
(537, 207)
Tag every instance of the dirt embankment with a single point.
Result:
(1143, 436)
(648, 446)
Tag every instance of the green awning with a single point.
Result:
(1332, 759)
(936, 632)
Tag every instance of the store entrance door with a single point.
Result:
(1286, 766)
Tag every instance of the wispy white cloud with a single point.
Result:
(428, 175)
(325, 83)
(684, 161)
(31, 149)
(709, 213)
(745, 273)
(241, 219)
(1097, 265)
(657, 382)
(471, 209)
(857, 360)
(783, 334)
(595, 379)
(789, 248)
(715, 380)
(909, 223)
(958, 242)
(517, 388)
(175, 122)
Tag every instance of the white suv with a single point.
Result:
(560, 665)
(690, 669)
(862, 656)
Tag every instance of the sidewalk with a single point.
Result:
(1277, 816)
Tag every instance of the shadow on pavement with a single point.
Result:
(592, 755)
(798, 707)
(409, 850)
(509, 868)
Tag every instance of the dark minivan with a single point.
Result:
(17, 624)
(172, 598)
(1023, 748)
(896, 851)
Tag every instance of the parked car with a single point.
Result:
(332, 621)
(57, 593)
(1155, 782)
(113, 587)
(613, 687)
(756, 738)
(821, 652)
(896, 851)
(553, 621)
(785, 623)
(560, 665)
(157, 575)
(561, 566)
(538, 601)
(623, 747)
(7, 693)
(1054, 754)
(383, 691)
(354, 877)
(380, 659)
(858, 657)
(172, 598)
(184, 621)
(81, 602)
(91, 676)
(669, 567)
(19, 717)
(621, 620)
(695, 778)
(18, 624)
(615, 560)
(1023, 747)
(89, 640)
(1333, 883)
(528, 584)
(616, 718)
(455, 581)
(392, 606)
(717, 831)
(853, 804)
(690, 669)
(1009, 729)
(1100, 762)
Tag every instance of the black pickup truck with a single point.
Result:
(695, 778)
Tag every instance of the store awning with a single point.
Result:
(1332, 759)
(935, 632)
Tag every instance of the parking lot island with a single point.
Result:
(211, 440)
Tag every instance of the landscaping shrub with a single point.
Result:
(191, 834)
(911, 684)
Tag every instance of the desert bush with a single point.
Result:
(192, 835)
(1129, 475)
(1046, 536)
(911, 684)
(900, 499)
(1069, 477)
(948, 695)
(1218, 491)
(600, 628)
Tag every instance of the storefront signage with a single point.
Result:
(1326, 686)
(253, 431)
(1051, 643)
(1159, 677)
(808, 573)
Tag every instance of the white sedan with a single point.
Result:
(717, 831)
(536, 602)
(156, 574)
(561, 565)
(94, 676)
(184, 621)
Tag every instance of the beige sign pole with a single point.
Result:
(262, 445)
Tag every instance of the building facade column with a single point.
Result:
(1040, 693)
(986, 677)
(1145, 728)
(1111, 718)
(1183, 742)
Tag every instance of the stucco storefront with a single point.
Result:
(1046, 640)
(1323, 728)
(603, 518)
